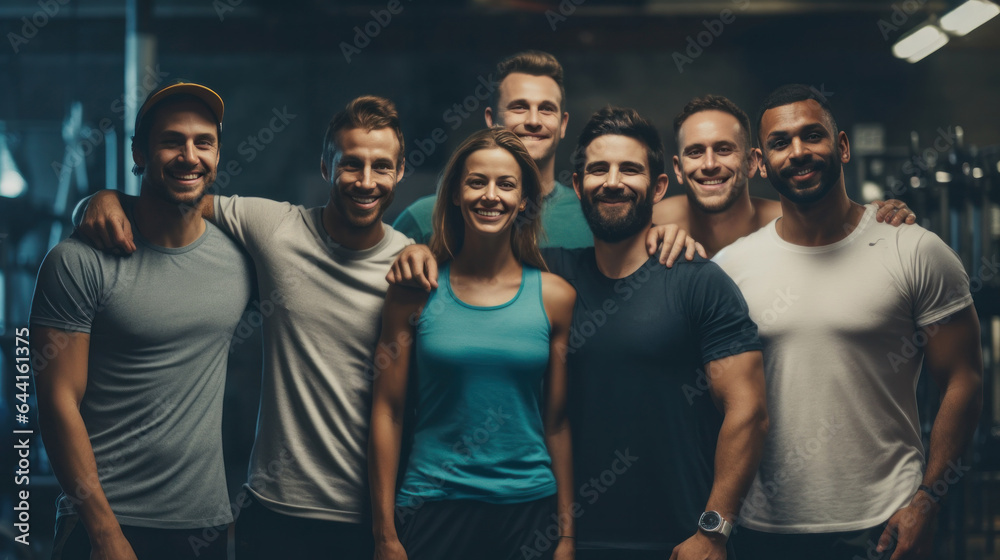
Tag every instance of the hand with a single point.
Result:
(565, 550)
(912, 529)
(701, 546)
(894, 212)
(415, 267)
(113, 547)
(106, 226)
(389, 550)
(672, 240)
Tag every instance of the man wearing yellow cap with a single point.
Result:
(130, 354)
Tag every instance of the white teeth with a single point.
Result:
(713, 182)
(188, 177)
(488, 213)
(366, 200)
(804, 172)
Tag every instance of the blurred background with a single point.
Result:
(914, 83)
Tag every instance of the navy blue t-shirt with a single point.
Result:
(643, 420)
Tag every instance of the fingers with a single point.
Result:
(121, 236)
(701, 250)
(885, 541)
(431, 269)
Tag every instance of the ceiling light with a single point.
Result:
(920, 42)
(969, 16)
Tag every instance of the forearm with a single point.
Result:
(68, 446)
(737, 455)
(957, 417)
(559, 445)
(383, 465)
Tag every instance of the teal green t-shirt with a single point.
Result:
(563, 224)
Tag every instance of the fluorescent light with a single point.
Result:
(920, 42)
(12, 183)
(969, 16)
(942, 177)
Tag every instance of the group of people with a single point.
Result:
(535, 383)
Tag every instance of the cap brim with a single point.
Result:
(212, 99)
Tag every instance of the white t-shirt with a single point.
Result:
(321, 308)
(843, 327)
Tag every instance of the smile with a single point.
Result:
(488, 213)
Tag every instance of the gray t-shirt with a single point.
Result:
(321, 305)
(160, 322)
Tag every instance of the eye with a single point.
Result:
(724, 151)
(597, 170)
(476, 183)
(693, 153)
(507, 185)
(778, 144)
(517, 108)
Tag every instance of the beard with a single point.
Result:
(613, 229)
(739, 185)
(362, 220)
(829, 171)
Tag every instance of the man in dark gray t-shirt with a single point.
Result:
(130, 355)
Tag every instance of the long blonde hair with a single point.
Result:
(449, 225)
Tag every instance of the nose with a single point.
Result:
(492, 193)
(188, 152)
(709, 162)
(367, 179)
(614, 177)
(797, 149)
(533, 119)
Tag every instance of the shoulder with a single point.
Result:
(397, 239)
(74, 254)
(554, 286)
(745, 249)
(767, 210)
(422, 206)
(672, 210)
(261, 207)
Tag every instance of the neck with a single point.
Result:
(716, 230)
(167, 224)
(618, 260)
(547, 172)
(485, 257)
(823, 222)
(356, 239)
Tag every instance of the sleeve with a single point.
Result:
(68, 291)
(722, 318)
(250, 221)
(939, 285)
(415, 222)
(559, 261)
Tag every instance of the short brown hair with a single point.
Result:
(712, 103)
(368, 112)
(449, 225)
(534, 63)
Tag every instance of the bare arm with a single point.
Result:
(61, 382)
(106, 226)
(388, 403)
(558, 297)
(954, 359)
(737, 387)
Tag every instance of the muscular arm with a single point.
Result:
(954, 360)
(106, 226)
(558, 297)
(61, 382)
(737, 387)
(388, 402)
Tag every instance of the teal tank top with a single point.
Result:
(479, 433)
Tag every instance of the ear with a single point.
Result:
(844, 146)
(522, 205)
(677, 170)
(762, 164)
(562, 126)
(661, 187)
(577, 187)
(323, 170)
(488, 115)
(756, 159)
(137, 157)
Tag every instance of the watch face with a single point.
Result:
(710, 521)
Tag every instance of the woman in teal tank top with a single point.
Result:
(489, 474)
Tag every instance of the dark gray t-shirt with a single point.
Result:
(160, 322)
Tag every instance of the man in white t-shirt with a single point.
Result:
(848, 309)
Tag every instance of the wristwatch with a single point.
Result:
(713, 522)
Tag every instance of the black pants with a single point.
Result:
(755, 545)
(264, 534)
(208, 543)
(466, 529)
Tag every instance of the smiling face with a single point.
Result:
(713, 162)
(490, 195)
(364, 176)
(803, 156)
(616, 191)
(183, 152)
(530, 107)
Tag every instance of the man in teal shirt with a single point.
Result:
(529, 102)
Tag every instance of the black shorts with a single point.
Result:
(207, 543)
(264, 534)
(464, 529)
(757, 545)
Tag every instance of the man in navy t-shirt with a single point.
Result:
(667, 385)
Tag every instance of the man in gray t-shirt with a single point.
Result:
(322, 282)
(130, 355)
